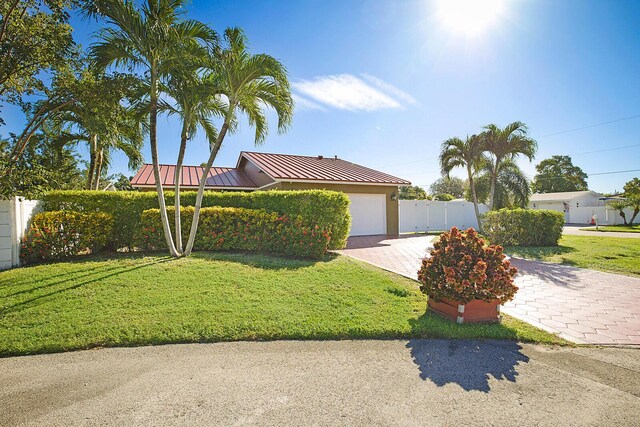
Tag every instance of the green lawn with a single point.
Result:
(616, 255)
(620, 228)
(128, 300)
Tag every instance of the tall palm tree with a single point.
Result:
(506, 144)
(195, 103)
(512, 186)
(468, 154)
(248, 83)
(152, 39)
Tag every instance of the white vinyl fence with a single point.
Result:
(427, 215)
(605, 214)
(15, 214)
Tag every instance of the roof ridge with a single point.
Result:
(292, 155)
(186, 166)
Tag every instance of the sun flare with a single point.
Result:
(469, 17)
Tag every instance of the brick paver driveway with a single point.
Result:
(401, 254)
(583, 306)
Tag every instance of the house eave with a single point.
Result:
(195, 187)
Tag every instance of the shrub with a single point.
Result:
(227, 229)
(444, 197)
(523, 227)
(327, 209)
(60, 234)
(462, 268)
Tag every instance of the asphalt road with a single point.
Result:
(423, 382)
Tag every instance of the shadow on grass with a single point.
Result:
(6, 282)
(263, 261)
(470, 364)
(89, 278)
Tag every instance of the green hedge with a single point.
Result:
(60, 234)
(523, 227)
(327, 209)
(241, 229)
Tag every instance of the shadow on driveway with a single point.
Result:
(470, 364)
(557, 274)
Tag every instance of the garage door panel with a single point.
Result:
(368, 214)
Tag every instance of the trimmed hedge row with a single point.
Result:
(523, 227)
(328, 210)
(60, 234)
(225, 229)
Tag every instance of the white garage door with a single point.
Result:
(368, 214)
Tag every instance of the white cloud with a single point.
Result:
(304, 104)
(348, 92)
(390, 89)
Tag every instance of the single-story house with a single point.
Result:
(373, 194)
(566, 201)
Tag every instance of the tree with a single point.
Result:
(444, 197)
(620, 205)
(35, 38)
(512, 187)
(99, 117)
(412, 192)
(120, 182)
(154, 39)
(632, 195)
(506, 144)
(558, 174)
(467, 154)
(449, 185)
(195, 102)
(44, 166)
(249, 83)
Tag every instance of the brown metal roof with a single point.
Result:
(305, 168)
(218, 177)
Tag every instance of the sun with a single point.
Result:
(469, 17)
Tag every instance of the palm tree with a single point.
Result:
(195, 102)
(512, 186)
(103, 133)
(505, 144)
(468, 154)
(153, 39)
(249, 83)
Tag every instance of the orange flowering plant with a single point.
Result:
(463, 268)
(60, 234)
(239, 229)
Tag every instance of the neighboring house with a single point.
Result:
(577, 203)
(373, 194)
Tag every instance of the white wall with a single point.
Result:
(428, 215)
(606, 215)
(15, 215)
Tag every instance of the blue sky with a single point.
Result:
(384, 83)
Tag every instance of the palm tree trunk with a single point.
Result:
(98, 172)
(472, 186)
(92, 160)
(203, 181)
(494, 180)
(153, 142)
(178, 175)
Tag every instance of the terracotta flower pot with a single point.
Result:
(476, 311)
